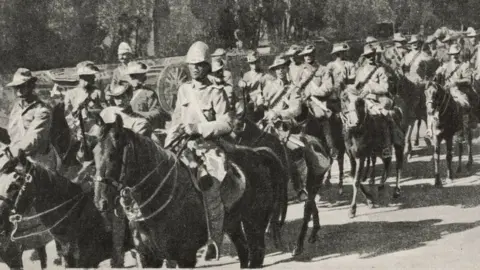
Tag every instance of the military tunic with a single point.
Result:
(342, 72)
(457, 78)
(375, 85)
(118, 74)
(29, 129)
(295, 73)
(145, 102)
(282, 98)
(394, 56)
(203, 97)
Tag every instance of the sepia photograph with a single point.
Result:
(232, 134)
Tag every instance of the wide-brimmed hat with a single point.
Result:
(471, 32)
(447, 38)
(120, 89)
(124, 48)
(370, 40)
(293, 50)
(340, 47)
(21, 76)
(454, 49)
(217, 64)
(198, 53)
(219, 52)
(279, 62)
(430, 39)
(398, 37)
(307, 50)
(136, 67)
(414, 39)
(88, 69)
(368, 49)
(252, 56)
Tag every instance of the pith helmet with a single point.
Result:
(124, 48)
(198, 53)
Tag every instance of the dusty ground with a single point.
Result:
(427, 228)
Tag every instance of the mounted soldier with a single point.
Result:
(125, 55)
(144, 100)
(396, 53)
(295, 68)
(222, 55)
(471, 47)
(29, 122)
(456, 77)
(415, 45)
(218, 78)
(251, 84)
(370, 40)
(122, 95)
(81, 105)
(203, 114)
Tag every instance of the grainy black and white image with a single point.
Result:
(228, 134)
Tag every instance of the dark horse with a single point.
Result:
(445, 118)
(166, 211)
(364, 138)
(63, 207)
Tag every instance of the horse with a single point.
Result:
(445, 119)
(364, 139)
(62, 206)
(166, 210)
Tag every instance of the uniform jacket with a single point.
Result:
(321, 83)
(394, 55)
(29, 127)
(131, 120)
(212, 102)
(409, 58)
(377, 85)
(145, 102)
(452, 73)
(93, 101)
(342, 72)
(294, 73)
(283, 98)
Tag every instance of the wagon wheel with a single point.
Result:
(168, 82)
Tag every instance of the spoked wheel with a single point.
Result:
(168, 82)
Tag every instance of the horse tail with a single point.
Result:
(280, 191)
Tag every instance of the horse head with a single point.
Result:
(16, 190)
(109, 157)
(434, 93)
(353, 110)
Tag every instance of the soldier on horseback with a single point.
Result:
(81, 105)
(122, 95)
(29, 122)
(226, 75)
(397, 52)
(144, 100)
(295, 68)
(415, 44)
(203, 114)
(219, 78)
(370, 40)
(456, 77)
(252, 83)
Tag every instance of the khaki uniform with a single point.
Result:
(451, 73)
(282, 98)
(29, 129)
(376, 84)
(255, 82)
(295, 73)
(409, 58)
(393, 56)
(342, 72)
(131, 120)
(90, 100)
(145, 102)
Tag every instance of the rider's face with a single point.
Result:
(370, 58)
(309, 58)
(456, 57)
(281, 72)
(199, 71)
(124, 58)
(23, 90)
(254, 66)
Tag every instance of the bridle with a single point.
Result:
(443, 105)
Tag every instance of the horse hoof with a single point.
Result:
(352, 212)
(396, 193)
(312, 239)
(438, 184)
(297, 251)
(370, 204)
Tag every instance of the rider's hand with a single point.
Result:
(191, 129)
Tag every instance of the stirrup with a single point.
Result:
(206, 255)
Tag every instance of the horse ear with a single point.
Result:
(22, 157)
(118, 123)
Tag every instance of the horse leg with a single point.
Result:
(328, 183)
(367, 169)
(408, 136)
(236, 235)
(316, 221)
(386, 170)
(460, 153)
(417, 137)
(58, 257)
(449, 145)
(303, 230)
(118, 238)
(469, 150)
(436, 161)
(372, 172)
(399, 160)
(42, 255)
(255, 234)
(356, 184)
(340, 162)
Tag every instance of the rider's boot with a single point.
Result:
(214, 214)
